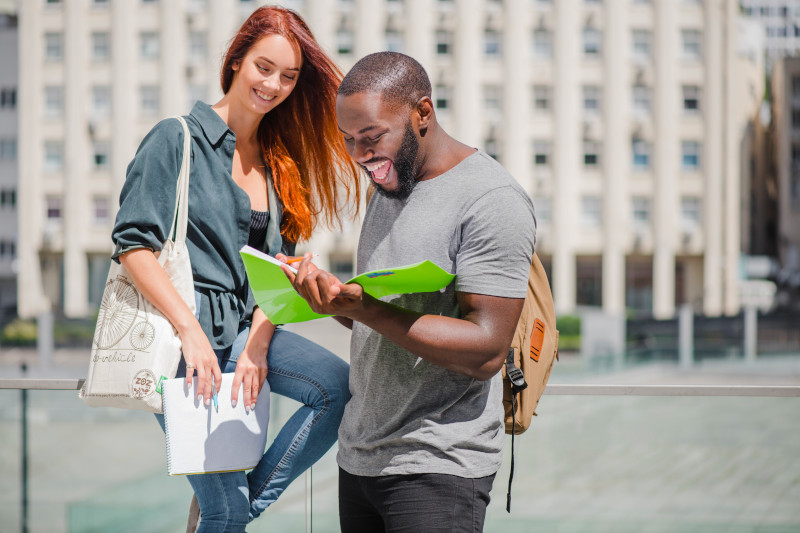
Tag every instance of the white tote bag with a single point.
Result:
(135, 347)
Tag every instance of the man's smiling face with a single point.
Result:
(382, 140)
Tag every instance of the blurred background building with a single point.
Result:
(637, 126)
(8, 160)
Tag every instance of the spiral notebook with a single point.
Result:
(204, 439)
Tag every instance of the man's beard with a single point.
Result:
(404, 166)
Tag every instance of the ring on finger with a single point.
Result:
(189, 365)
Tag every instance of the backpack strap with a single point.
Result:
(518, 384)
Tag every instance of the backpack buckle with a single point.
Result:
(514, 374)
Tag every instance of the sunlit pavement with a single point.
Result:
(589, 463)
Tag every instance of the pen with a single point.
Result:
(290, 260)
(214, 397)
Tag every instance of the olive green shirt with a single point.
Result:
(219, 216)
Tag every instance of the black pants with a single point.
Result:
(415, 503)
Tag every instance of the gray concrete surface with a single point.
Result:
(593, 464)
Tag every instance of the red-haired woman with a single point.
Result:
(268, 163)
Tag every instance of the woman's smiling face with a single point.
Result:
(267, 74)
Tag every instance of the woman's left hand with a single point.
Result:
(251, 371)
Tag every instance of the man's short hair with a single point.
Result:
(398, 78)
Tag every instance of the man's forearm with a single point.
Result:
(457, 344)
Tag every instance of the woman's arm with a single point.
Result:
(251, 368)
(155, 285)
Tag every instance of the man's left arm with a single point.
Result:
(474, 344)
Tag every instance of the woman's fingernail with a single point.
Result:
(207, 401)
(246, 408)
(233, 403)
(253, 406)
(199, 397)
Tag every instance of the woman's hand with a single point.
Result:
(200, 357)
(251, 368)
(251, 372)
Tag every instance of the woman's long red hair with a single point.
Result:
(300, 138)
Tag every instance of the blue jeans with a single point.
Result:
(303, 371)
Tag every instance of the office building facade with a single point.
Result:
(624, 119)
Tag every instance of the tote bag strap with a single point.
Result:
(181, 214)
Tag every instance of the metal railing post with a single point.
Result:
(686, 336)
(24, 453)
(750, 333)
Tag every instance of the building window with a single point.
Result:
(101, 157)
(591, 211)
(394, 41)
(541, 98)
(641, 211)
(641, 44)
(53, 3)
(541, 153)
(592, 42)
(344, 41)
(691, 99)
(591, 154)
(442, 97)
(690, 156)
(444, 42)
(148, 100)
(100, 3)
(492, 148)
(101, 46)
(101, 101)
(493, 98)
(149, 45)
(53, 208)
(8, 149)
(796, 118)
(101, 214)
(542, 44)
(8, 198)
(543, 3)
(8, 97)
(53, 156)
(53, 46)
(542, 209)
(54, 101)
(692, 45)
(589, 281)
(796, 86)
(491, 43)
(641, 100)
(591, 99)
(197, 45)
(197, 92)
(641, 154)
(690, 213)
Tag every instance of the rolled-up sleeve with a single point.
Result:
(147, 200)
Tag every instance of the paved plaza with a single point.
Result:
(589, 463)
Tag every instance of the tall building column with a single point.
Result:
(566, 147)
(419, 33)
(468, 60)
(733, 158)
(172, 62)
(124, 92)
(713, 274)
(666, 170)
(369, 27)
(224, 15)
(323, 25)
(76, 206)
(617, 161)
(31, 209)
(516, 93)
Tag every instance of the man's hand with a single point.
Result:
(323, 291)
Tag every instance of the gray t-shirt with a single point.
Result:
(408, 415)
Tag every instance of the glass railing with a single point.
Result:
(589, 463)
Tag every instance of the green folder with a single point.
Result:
(282, 305)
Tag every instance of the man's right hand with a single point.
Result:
(324, 292)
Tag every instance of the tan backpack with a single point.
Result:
(534, 349)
